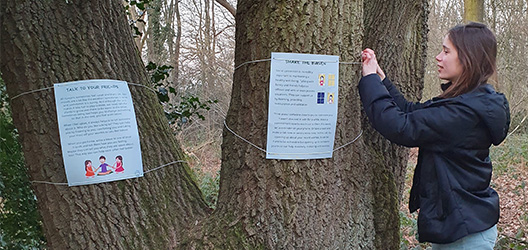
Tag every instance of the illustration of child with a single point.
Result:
(119, 164)
(330, 98)
(90, 173)
(103, 166)
(321, 79)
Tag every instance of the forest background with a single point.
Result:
(189, 49)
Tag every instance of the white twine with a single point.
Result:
(350, 63)
(31, 91)
(255, 61)
(282, 59)
(242, 138)
(515, 129)
(162, 166)
(350, 142)
(148, 171)
(229, 129)
(233, 132)
(145, 86)
(263, 150)
(312, 153)
(47, 88)
(51, 183)
(155, 91)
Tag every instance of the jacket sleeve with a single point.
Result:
(433, 125)
(399, 99)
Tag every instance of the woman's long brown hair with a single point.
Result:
(477, 52)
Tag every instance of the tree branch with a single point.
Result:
(228, 6)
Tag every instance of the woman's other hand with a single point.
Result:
(380, 73)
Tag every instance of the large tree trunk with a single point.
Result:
(400, 42)
(45, 42)
(349, 201)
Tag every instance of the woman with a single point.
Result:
(451, 184)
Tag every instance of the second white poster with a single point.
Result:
(302, 110)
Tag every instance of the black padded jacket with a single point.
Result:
(451, 183)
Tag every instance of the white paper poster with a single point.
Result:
(98, 131)
(303, 100)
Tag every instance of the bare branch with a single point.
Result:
(228, 6)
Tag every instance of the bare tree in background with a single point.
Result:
(206, 72)
(443, 15)
(196, 38)
(474, 10)
(509, 20)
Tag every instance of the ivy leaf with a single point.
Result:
(151, 66)
(163, 95)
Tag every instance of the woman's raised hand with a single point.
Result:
(370, 64)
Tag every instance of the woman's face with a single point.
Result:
(449, 66)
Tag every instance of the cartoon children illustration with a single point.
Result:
(90, 173)
(103, 166)
(321, 80)
(330, 98)
(119, 164)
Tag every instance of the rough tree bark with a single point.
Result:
(349, 201)
(400, 42)
(397, 31)
(45, 42)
